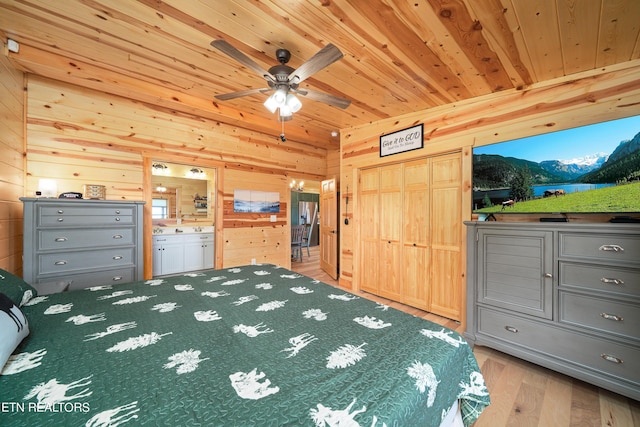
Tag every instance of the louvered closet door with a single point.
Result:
(390, 232)
(415, 247)
(369, 220)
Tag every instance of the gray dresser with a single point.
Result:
(72, 244)
(562, 295)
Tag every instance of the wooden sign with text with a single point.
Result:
(402, 140)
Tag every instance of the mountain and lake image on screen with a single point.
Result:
(590, 169)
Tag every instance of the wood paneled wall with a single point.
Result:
(12, 130)
(79, 136)
(591, 97)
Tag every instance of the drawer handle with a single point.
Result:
(117, 218)
(60, 263)
(548, 275)
(117, 257)
(60, 219)
(117, 278)
(612, 359)
(60, 211)
(61, 239)
(118, 211)
(118, 236)
(611, 248)
(612, 281)
(511, 329)
(612, 317)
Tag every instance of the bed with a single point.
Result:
(256, 345)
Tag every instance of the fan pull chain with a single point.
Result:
(282, 137)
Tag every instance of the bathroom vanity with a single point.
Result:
(182, 249)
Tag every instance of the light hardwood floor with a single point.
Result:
(522, 393)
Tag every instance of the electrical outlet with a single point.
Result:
(253, 261)
(273, 218)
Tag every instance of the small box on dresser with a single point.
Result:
(562, 295)
(71, 244)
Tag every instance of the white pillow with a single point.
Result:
(13, 328)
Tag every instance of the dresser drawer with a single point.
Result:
(51, 216)
(603, 247)
(619, 280)
(599, 354)
(611, 317)
(61, 262)
(70, 282)
(62, 239)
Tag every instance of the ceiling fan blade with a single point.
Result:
(325, 57)
(233, 95)
(234, 53)
(324, 97)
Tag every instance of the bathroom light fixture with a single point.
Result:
(159, 169)
(196, 173)
(296, 186)
(161, 189)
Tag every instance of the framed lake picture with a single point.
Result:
(589, 169)
(256, 201)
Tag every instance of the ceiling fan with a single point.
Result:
(284, 80)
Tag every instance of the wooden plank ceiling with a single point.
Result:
(399, 56)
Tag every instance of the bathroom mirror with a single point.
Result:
(181, 193)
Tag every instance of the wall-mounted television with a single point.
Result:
(589, 169)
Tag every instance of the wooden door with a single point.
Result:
(390, 274)
(369, 235)
(415, 241)
(329, 228)
(446, 235)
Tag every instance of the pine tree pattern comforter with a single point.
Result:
(255, 345)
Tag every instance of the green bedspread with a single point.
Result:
(248, 346)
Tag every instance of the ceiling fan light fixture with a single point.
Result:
(285, 111)
(280, 96)
(284, 118)
(293, 103)
(271, 104)
(283, 78)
